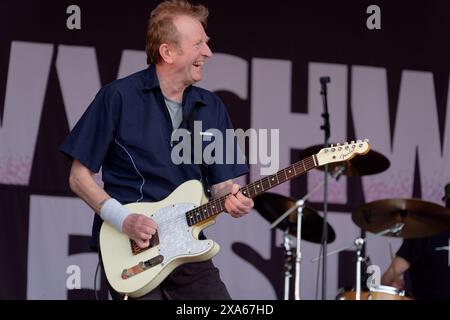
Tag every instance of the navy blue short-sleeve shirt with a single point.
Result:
(127, 132)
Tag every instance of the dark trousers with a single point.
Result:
(190, 281)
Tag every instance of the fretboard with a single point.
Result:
(217, 206)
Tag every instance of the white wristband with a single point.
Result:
(114, 213)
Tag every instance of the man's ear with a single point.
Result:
(166, 53)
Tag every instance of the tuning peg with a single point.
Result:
(358, 141)
(366, 140)
(353, 142)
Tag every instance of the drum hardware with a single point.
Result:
(358, 243)
(411, 218)
(268, 204)
(374, 293)
(287, 262)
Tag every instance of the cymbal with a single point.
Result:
(373, 162)
(271, 206)
(421, 218)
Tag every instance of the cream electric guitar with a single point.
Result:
(180, 218)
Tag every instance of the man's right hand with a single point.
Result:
(139, 228)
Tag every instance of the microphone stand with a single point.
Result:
(326, 128)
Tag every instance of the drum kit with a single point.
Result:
(402, 218)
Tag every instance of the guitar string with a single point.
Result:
(308, 161)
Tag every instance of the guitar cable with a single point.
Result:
(95, 281)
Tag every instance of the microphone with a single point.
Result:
(324, 80)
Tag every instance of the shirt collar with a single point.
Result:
(151, 81)
(151, 78)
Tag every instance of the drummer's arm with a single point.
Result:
(392, 276)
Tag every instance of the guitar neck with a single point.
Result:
(217, 206)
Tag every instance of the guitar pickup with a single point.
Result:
(141, 266)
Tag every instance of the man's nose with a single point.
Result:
(207, 51)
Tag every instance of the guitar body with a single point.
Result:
(177, 243)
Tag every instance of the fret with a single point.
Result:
(245, 191)
(289, 171)
(306, 164)
(312, 162)
(254, 188)
(266, 183)
(213, 209)
(261, 184)
(278, 178)
(189, 217)
(301, 167)
(258, 188)
(192, 217)
(273, 180)
(203, 213)
(297, 170)
(221, 205)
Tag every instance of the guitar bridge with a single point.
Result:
(154, 241)
(142, 266)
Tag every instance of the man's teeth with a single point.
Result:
(198, 64)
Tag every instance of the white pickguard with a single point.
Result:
(175, 236)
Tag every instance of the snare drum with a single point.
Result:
(375, 293)
(387, 293)
(350, 294)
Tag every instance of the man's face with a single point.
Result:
(193, 50)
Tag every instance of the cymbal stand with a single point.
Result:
(299, 205)
(287, 262)
(359, 243)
